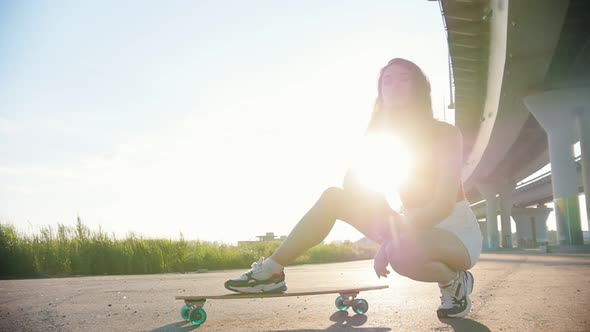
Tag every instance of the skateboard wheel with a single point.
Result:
(360, 306)
(197, 316)
(184, 311)
(340, 304)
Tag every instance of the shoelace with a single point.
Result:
(256, 266)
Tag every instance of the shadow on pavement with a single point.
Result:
(464, 325)
(343, 319)
(342, 328)
(178, 326)
(344, 322)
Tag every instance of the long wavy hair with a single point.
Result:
(421, 102)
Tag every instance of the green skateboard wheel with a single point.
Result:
(361, 306)
(340, 304)
(197, 316)
(184, 311)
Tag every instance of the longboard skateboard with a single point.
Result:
(193, 311)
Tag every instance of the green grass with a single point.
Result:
(77, 250)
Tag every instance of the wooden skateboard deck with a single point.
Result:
(193, 304)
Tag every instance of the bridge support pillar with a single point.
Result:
(484, 232)
(492, 222)
(583, 123)
(506, 190)
(489, 192)
(556, 111)
(531, 226)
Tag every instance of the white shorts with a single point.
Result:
(463, 223)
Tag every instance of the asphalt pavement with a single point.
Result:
(514, 291)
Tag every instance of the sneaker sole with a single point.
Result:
(271, 288)
(461, 314)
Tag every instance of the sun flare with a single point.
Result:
(383, 163)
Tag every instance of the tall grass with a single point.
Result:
(77, 250)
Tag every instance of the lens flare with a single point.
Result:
(383, 163)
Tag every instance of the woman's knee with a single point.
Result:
(332, 192)
(329, 200)
(331, 196)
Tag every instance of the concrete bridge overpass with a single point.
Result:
(536, 191)
(521, 81)
(528, 208)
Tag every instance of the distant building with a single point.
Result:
(268, 237)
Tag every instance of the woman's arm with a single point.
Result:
(381, 261)
(450, 159)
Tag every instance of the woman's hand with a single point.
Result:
(381, 262)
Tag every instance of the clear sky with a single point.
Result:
(222, 120)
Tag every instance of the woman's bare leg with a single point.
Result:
(367, 214)
(434, 255)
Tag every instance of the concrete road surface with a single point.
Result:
(516, 291)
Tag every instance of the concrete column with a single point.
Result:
(583, 124)
(506, 212)
(489, 193)
(484, 232)
(492, 222)
(531, 225)
(524, 232)
(556, 112)
(565, 189)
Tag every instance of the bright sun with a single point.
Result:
(383, 163)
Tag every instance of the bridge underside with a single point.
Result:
(501, 52)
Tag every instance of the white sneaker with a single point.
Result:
(258, 280)
(455, 301)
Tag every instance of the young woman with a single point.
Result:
(435, 238)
